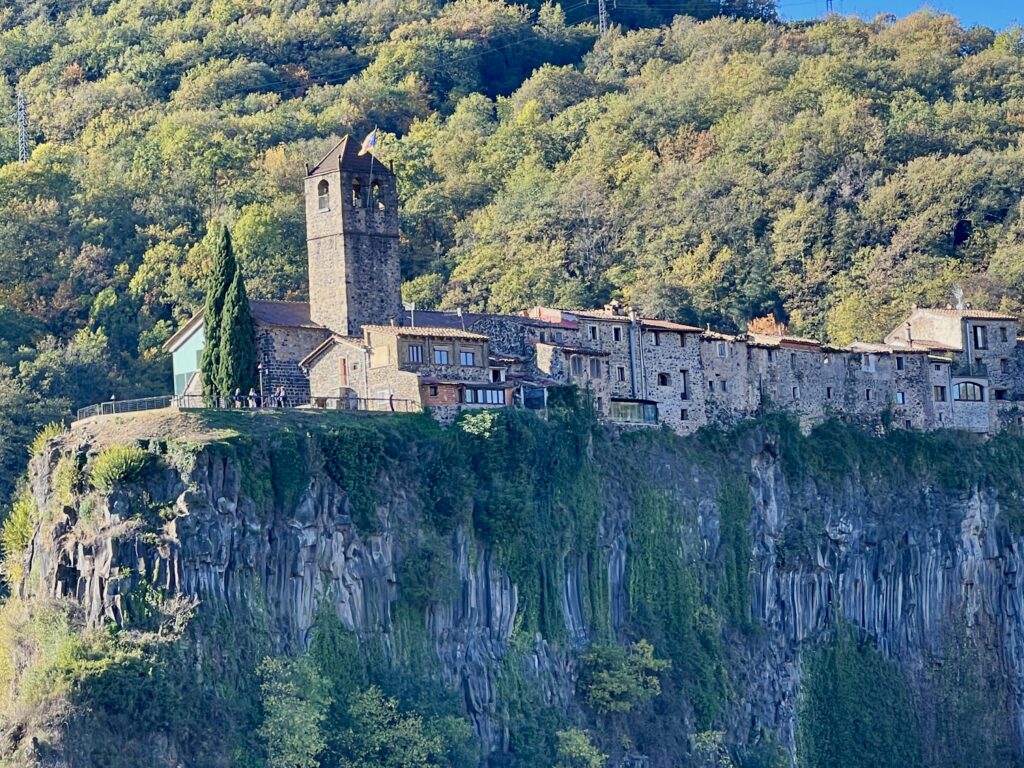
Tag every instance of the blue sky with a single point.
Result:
(991, 13)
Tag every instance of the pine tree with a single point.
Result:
(237, 340)
(222, 274)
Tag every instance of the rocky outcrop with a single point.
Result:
(903, 561)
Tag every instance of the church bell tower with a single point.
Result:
(352, 241)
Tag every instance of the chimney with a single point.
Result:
(910, 334)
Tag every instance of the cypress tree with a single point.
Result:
(218, 282)
(237, 340)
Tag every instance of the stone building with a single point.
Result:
(355, 346)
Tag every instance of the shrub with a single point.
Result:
(118, 465)
(67, 480)
(15, 534)
(617, 679)
(46, 434)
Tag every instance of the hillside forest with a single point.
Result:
(704, 163)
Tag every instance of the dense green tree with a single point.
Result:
(294, 707)
(219, 281)
(237, 363)
(575, 750)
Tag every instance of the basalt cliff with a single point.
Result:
(832, 599)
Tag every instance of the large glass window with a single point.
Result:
(576, 365)
(485, 396)
(441, 357)
(632, 412)
(969, 391)
(467, 357)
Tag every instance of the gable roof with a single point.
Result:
(277, 314)
(425, 331)
(326, 344)
(969, 314)
(346, 154)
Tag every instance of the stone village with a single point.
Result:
(354, 345)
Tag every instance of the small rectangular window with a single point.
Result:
(792, 359)
(593, 332)
(576, 365)
(1004, 365)
(722, 349)
(664, 380)
(468, 396)
(796, 393)
(433, 390)
(901, 398)
(907, 424)
(826, 359)
(1000, 394)
(467, 357)
(620, 373)
(656, 338)
(937, 367)
(901, 362)
(939, 394)
(497, 375)
(595, 368)
(980, 337)
(725, 385)
(441, 357)
(617, 333)
(542, 337)
(415, 353)
(867, 395)
(684, 415)
(771, 355)
(711, 386)
(828, 393)
(685, 375)
(1002, 333)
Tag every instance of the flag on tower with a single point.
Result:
(370, 142)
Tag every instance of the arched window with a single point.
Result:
(377, 195)
(323, 195)
(357, 192)
(970, 391)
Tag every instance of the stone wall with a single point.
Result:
(675, 379)
(280, 349)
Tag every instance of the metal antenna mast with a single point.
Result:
(602, 16)
(22, 116)
(828, 6)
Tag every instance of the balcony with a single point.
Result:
(969, 370)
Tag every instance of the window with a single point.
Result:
(723, 350)
(357, 193)
(656, 338)
(634, 412)
(939, 394)
(542, 337)
(771, 355)
(907, 424)
(867, 395)
(968, 391)
(684, 415)
(441, 357)
(323, 196)
(467, 357)
(433, 390)
(686, 383)
(901, 398)
(826, 359)
(620, 373)
(617, 333)
(497, 375)
(867, 363)
(828, 393)
(377, 195)
(1004, 365)
(664, 380)
(999, 394)
(937, 367)
(711, 386)
(593, 332)
(796, 393)
(980, 336)
(576, 365)
(559, 337)
(901, 362)
(415, 353)
(725, 385)
(595, 368)
(792, 359)
(1002, 333)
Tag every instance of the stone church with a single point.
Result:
(354, 345)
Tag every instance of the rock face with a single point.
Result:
(905, 562)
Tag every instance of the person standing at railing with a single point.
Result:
(252, 397)
(279, 397)
(238, 397)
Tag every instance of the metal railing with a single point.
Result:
(966, 370)
(372, 404)
(125, 406)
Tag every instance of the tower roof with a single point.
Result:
(346, 153)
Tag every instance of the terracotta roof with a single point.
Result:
(922, 345)
(770, 340)
(716, 336)
(666, 325)
(347, 152)
(425, 331)
(977, 314)
(327, 344)
(280, 314)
